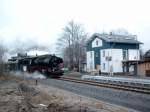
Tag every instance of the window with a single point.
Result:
(97, 42)
(103, 53)
(91, 65)
(103, 66)
(91, 54)
(125, 54)
(96, 54)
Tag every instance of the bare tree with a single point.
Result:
(71, 44)
(2, 53)
(141, 51)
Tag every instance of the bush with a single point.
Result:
(1, 68)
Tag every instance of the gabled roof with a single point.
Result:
(147, 54)
(129, 39)
(146, 57)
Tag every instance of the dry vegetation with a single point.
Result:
(18, 95)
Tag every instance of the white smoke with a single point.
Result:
(35, 75)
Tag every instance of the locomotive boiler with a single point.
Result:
(49, 65)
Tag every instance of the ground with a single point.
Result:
(19, 95)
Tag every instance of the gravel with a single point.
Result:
(137, 101)
(19, 95)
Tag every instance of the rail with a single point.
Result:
(143, 90)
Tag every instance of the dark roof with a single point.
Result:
(146, 57)
(129, 39)
(147, 54)
(28, 57)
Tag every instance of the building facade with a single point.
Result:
(110, 53)
(144, 65)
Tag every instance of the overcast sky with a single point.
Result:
(43, 20)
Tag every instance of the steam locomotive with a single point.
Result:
(49, 65)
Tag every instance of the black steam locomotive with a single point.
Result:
(49, 65)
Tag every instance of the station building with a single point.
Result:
(144, 65)
(112, 54)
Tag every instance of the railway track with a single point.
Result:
(143, 90)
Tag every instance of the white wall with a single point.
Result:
(90, 61)
(116, 60)
(134, 54)
(117, 55)
(94, 43)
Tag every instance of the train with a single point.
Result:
(48, 65)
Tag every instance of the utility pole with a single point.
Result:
(137, 56)
(79, 56)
